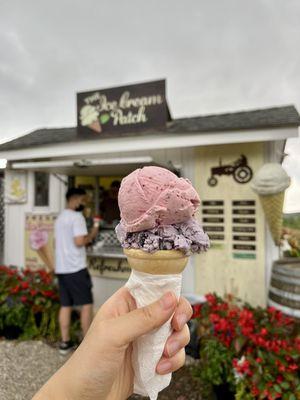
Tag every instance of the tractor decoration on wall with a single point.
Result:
(240, 170)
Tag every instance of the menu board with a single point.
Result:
(243, 235)
(213, 226)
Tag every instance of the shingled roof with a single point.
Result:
(277, 117)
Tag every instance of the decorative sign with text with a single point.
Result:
(122, 109)
(39, 241)
(116, 268)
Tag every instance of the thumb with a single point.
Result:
(143, 320)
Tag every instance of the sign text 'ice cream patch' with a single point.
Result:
(122, 109)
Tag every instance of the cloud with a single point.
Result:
(216, 56)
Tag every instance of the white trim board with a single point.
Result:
(151, 142)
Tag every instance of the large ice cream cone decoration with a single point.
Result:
(273, 209)
(162, 262)
(270, 183)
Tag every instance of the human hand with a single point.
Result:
(101, 366)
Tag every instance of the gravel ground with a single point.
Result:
(25, 366)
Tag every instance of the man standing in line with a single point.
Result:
(75, 286)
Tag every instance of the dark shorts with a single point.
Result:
(75, 289)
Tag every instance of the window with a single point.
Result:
(41, 189)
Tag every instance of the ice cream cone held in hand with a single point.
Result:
(270, 183)
(158, 232)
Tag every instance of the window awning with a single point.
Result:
(98, 167)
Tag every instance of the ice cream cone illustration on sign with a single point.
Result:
(270, 183)
(158, 232)
(40, 243)
(89, 117)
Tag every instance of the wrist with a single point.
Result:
(54, 389)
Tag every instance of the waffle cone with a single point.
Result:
(162, 262)
(273, 207)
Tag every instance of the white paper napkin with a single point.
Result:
(148, 349)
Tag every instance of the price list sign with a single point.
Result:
(213, 219)
(244, 229)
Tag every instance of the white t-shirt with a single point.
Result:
(69, 258)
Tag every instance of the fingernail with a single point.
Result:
(167, 301)
(173, 348)
(164, 367)
(181, 320)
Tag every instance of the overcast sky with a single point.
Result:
(216, 55)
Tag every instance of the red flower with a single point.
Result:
(196, 310)
(293, 367)
(263, 332)
(232, 314)
(48, 293)
(254, 390)
(15, 289)
(24, 285)
(211, 299)
(33, 292)
(23, 299)
(242, 367)
(279, 379)
(259, 360)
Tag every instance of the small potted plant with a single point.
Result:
(246, 352)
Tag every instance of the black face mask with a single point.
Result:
(80, 208)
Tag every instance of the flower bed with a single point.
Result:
(28, 304)
(255, 351)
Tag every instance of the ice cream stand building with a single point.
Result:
(121, 129)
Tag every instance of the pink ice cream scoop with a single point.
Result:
(153, 196)
(38, 239)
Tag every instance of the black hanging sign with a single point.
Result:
(131, 108)
(243, 211)
(211, 228)
(213, 220)
(213, 211)
(212, 202)
(243, 220)
(247, 229)
(243, 202)
(244, 247)
(244, 238)
(216, 237)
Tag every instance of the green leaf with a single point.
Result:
(292, 397)
(277, 388)
(285, 385)
(104, 118)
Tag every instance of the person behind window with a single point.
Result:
(109, 206)
(71, 237)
